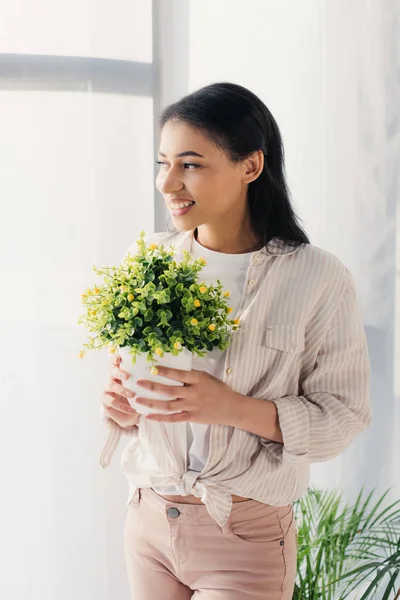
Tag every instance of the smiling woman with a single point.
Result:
(213, 176)
(291, 389)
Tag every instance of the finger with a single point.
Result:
(176, 418)
(178, 404)
(115, 359)
(118, 388)
(117, 373)
(189, 377)
(122, 419)
(118, 403)
(169, 390)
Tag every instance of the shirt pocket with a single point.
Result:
(285, 338)
(282, 347)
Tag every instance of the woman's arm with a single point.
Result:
(335, 404)
(257, 416)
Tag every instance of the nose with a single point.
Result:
(168, 182)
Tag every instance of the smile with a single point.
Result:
(180, 208)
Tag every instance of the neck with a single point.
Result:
(227, 242)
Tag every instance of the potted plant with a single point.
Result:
(152, 309)
(347, 551)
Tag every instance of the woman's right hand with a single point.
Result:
(115, 397)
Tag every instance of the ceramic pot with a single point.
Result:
(141, 370)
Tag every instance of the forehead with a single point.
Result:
(179, 137)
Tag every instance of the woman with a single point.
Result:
(211, 488)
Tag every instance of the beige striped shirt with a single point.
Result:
(301, 344)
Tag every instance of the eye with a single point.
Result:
(194, 165)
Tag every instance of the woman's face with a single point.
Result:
(195, 169)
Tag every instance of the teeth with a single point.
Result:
(180, 204)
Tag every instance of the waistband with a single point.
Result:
(197, 514)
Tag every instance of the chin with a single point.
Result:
(181, 225)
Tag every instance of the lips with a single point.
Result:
(177, 212)
(177, 199)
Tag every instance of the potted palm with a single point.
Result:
(347, 551)
(154, 309)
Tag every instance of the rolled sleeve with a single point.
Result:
(335, 403)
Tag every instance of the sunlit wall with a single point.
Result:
(76, 185)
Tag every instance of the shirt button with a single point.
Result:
(252, 282)
(173, 513)
(257, 257)
(229, 370)
(293, 345)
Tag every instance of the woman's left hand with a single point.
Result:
(203, 399)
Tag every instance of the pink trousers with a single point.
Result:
(178, 551)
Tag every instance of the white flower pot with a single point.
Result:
(141, 370)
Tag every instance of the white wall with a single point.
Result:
(327, 71)
(76, 187)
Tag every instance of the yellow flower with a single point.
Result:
(211, 327)
(81, 354)
(197, 302)
(93, 312)
(90, 292)
(202, 261)
(131, 297)
(194, 322)
(96, 289)
(112, 349)
(152, 246)
(203, 289)
(227, 294)
(159, 351)
(104, 302)
(177, 345)
(154, 371)
(83, 295)
(236, 321)
(230, 309)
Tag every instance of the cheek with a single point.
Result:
(208, 187)
(226, 190)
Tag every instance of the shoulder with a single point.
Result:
(322, 260)
(325, 272)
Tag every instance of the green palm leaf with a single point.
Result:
(345, 549)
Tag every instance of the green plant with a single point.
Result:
(347, 551)
(154, 304)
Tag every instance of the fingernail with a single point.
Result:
(130, 394)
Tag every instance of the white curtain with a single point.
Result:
(80, 84)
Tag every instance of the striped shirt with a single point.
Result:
(301, 344)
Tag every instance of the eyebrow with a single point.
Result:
(186, 153)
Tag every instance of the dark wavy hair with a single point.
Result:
(239, 123)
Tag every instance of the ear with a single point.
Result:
(253, 166)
